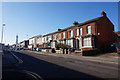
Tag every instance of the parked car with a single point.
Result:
(38, 49)
(33, 49)
(17, 48)
(118, 50)
(25, 48)
(118, 47)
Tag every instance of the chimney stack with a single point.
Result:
(103, 14)
(75, 23)
(59, 29)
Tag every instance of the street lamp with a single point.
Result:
(2, 33)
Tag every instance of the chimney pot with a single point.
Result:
(59, 29)
(103, 13)
(75, 23)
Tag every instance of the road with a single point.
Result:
(52, 67)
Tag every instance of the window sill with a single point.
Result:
(87, 47)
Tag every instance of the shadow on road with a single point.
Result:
(49, 70)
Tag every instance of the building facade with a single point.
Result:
(97, 33)
(32, 43)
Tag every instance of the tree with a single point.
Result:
(60, 45)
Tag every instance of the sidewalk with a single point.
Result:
(78, 57)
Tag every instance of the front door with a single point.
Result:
(80, 43)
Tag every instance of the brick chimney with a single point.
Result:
(75, 23)
(103, 14)
(59, 29)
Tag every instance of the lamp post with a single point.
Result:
(2, 33)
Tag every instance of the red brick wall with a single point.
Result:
(86, 48)
(105, 28)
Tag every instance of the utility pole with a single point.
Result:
(2, 33)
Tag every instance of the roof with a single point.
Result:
(118, 33)
(80, 24)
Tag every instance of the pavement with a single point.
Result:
(89, 58)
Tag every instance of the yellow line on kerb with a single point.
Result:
(34, 75)
(103, 61)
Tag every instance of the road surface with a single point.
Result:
(52, 67)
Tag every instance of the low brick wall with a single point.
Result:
(90, 52)
(50, 50)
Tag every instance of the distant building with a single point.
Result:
(39, 41)
(32, 43)
(16, 39)
(118, 36)
(23, 44)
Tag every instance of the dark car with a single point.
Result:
(38, 49)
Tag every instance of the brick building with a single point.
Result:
(97, 34)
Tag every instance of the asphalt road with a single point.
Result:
(51, 67)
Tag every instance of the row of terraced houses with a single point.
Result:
(95, 34)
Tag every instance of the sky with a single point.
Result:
(28, 19)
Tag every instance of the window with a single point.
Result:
(62, 42)
(63, 35)
(69, 42)
(71, 33)
(86, 42)
(54, 37)
(77, 32)
(58, 36)
(80, 31)
(88, 29)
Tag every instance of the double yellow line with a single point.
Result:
(36, 76)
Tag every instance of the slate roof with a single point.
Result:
(80, 24)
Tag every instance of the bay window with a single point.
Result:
(87, 42)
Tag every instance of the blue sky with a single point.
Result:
(35, 18)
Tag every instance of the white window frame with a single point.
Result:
(77, 31)
(71, 33)
(63, 35)
(54, 37)
(80, 31)
(58, 36)
(87, 42)
(88, 29)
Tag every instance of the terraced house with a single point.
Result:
(97, 34)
